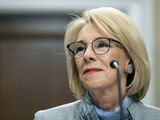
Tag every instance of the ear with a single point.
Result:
(129, 67)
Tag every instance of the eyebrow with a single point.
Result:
(93, 39)
(111, 39)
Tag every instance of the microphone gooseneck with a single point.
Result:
(115, 65)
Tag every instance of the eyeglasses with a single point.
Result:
(100, 46)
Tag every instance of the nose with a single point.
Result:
(89, 54)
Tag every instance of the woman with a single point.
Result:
(92, 42)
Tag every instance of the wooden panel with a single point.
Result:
(32, 77)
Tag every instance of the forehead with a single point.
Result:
(89, 32)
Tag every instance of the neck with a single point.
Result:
(106, 99)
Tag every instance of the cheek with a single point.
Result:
(118, 55)
(78, 63)
(106, 60)
(122, 58)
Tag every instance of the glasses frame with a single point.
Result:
(71, 52)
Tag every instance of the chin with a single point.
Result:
(93, 84)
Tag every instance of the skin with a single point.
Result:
(101, 83)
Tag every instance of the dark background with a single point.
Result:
(32, 64)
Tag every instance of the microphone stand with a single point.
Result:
(115, 65)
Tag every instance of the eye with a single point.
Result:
(79, 49)
(102, 44)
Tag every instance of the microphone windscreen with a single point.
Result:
(114, 64)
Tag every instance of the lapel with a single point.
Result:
(136, 110)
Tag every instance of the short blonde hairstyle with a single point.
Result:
(119, 26)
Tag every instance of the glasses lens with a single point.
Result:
(101, 46)
(77, 48)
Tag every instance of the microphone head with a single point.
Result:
(114, 64)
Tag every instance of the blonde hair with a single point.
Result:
(119, 26)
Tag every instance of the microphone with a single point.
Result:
(115, 65)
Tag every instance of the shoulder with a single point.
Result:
(144, 112)
(63, 112)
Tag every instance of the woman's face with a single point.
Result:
(94, 69)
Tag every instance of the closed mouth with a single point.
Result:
(91, 70)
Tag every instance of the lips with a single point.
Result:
(91, 70)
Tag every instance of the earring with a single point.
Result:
(129, 70)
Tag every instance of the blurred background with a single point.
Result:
(32, 63)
